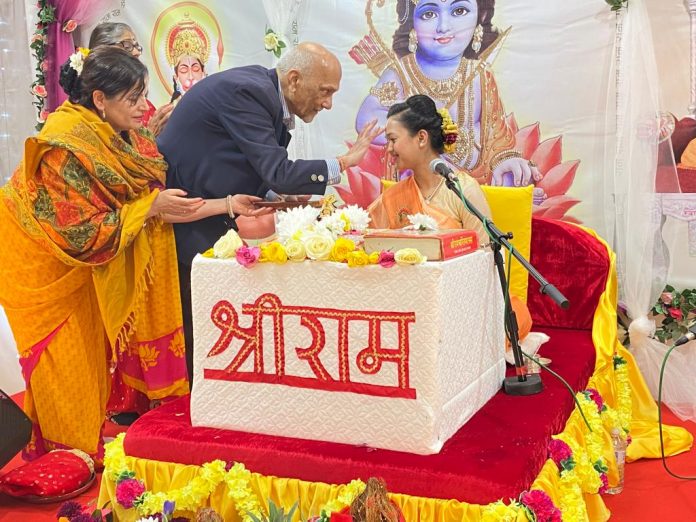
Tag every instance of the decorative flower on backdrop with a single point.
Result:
(69, 26)
(226, 247)
(422, 222)
(272, 43)
(39, 90)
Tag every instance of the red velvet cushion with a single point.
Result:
(687, 179)
(53, 474)
(684, 132)
(576, 263)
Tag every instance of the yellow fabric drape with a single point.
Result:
(163, 476)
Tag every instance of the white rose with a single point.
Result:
(318, 246)
(270, 41)
(227, 245)
(295, 250)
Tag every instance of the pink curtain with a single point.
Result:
(61, 44)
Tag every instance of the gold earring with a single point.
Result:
(477, 39)
(103, 114)
(412, 41)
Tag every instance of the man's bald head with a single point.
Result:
(309, 74)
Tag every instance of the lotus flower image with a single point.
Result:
(550, 192)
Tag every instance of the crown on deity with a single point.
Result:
(187, 38)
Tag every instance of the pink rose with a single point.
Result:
(44, 65)
(247, 257)
(127, 491)
(386, 259)
(42, 116)
(666, 298)
(676, 313)
(38, 37)
(69, 26)
(39, 90)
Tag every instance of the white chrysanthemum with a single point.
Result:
(148, 519)
(77, 60)
(332, 225)
(422, 222)
(358, 217)
(295, 221)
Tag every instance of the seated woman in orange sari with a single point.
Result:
(416, 134)
(415, 137)
(89, 263)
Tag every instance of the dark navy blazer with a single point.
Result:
(226, 136)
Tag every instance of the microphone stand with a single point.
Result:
(521, 383)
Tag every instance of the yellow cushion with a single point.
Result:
(511, 208)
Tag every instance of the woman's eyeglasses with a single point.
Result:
(129, 45)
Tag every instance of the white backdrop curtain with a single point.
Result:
(17, 120)
(631, 209)
(285, 18)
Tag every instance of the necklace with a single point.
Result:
(434, 191)
(445, 90)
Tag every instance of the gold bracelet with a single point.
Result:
(501, 156)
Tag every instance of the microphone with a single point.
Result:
(438, 166)
(689, 336)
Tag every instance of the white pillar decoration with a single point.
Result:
(691, 5)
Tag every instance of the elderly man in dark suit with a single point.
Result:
(229, 133)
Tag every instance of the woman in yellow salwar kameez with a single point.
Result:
(88, 263)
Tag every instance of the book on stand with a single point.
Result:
(436, 245)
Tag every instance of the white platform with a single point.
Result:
(442, 342)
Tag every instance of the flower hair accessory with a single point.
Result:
(77, 59)
(450, 131)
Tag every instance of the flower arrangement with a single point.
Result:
(131, 492)
(46, 16)
(303, 233)
(535, 504)
(272, 42)
(72, 511)
(678, 310)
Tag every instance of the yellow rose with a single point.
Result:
(409, 256)
(341, 248)
(318, 246)
(374, 258)
(227, 245)
(270, 41)
(295, 250)
(273, 252)
(358, 258)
